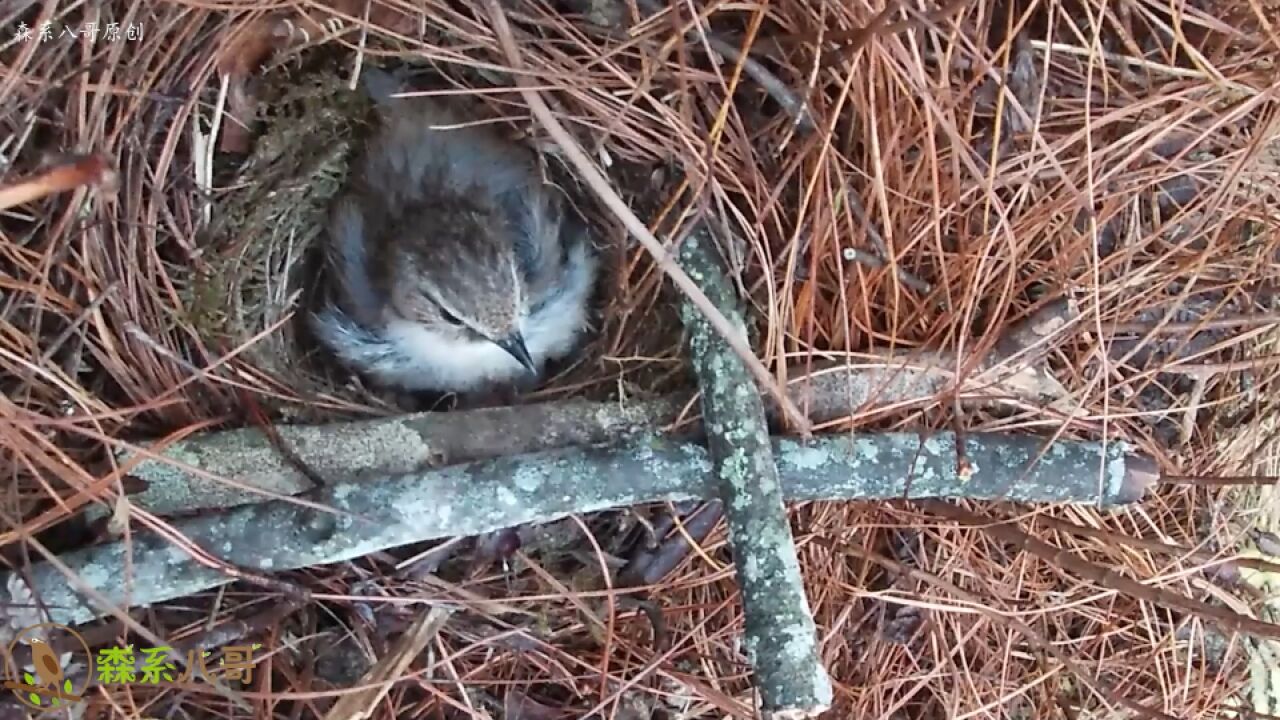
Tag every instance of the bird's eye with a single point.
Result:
(449, 317)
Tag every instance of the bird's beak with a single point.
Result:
(514, 345)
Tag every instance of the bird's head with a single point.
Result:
(460, 277)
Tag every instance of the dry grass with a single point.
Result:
(1006, 154)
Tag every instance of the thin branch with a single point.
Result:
(780, 635)
(378, 513)
(66, 176)
(229, 468)
(1195, 326)
(378, 680)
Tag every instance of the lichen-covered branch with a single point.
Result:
(479, 497)
(779, 632)
(185, 477)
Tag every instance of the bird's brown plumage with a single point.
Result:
(455, 264)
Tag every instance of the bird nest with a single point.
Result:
(911, 178)
(256, 265)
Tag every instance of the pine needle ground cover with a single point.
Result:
(890, 177)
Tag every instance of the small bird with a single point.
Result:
(457, 269)
(48, 667)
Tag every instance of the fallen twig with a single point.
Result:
(1219, 560)
(480, 497)
(780, 635)
(881, 257)
(876, 262)
(611, 15)
(186, 476)
(1226, 322)
(63, 177)
(649, 565)
(795, 106)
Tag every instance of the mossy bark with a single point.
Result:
(180, 479)
(488, 495)
(780, 634)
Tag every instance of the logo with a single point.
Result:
(47, 684)
(53, 680)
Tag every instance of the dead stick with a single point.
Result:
(780, 635)
(1208, 557)
(480, 497)
(1196, 326)
(66, 176)
(188, 475)
(377, 682)
(612, 17)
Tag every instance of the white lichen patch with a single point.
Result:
(925, 474)
(735, 471)
(749, 569)
(175, 555)
(342, 491)
(603, 416)
(866, 449)
(799, 642)
(1116, 468)
(695, 457)
(644, 450)
(803, 457)
(508, 498)
(96, 575)
(180, 453)
(529, 478)
(937, 446)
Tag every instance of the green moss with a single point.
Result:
(270, 212)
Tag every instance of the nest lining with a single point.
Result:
(259, 258)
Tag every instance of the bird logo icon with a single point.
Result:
(46, 663)
(44, 682)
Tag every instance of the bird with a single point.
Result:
(455, 267)
(47, 666)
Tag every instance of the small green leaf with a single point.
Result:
(55, 702)
(30, 680)
(35, 699)
(66, 686)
